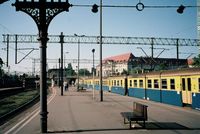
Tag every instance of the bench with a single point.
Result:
(139, 114)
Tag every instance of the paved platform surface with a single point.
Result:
(78, 112)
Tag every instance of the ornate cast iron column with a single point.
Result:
(42, 12)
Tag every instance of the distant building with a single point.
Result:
(115, 65)
(128, 63)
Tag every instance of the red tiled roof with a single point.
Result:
(120, 58)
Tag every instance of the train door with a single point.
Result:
(186, 91)
(126, 86)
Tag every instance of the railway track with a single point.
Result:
(6, 92)
(14, 110)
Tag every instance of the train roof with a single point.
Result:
(177, 72)
(184, 71)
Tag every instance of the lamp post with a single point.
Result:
(61, 65)
(100, 42)
(65, 59)
(78, 57)
(93, 50)
(65, 75)
(95, 10)
(42, 12)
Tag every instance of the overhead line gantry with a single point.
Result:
(118, 40)
(113, 40)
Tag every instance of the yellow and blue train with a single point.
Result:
(175, 87)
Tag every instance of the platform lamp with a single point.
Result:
(93, 50)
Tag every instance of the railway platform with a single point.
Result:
(77, 112)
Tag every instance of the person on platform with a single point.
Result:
(65, 85)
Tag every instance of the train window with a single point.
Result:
(156, 84)
(130, 83)
(164, 83)
(199, 84)
(117, 83)
(172, 84)
(140, 83)
(183, 84)
(114, 82)
(135, 83)
(189, 84)
(149, 84)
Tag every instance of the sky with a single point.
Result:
(151, 22)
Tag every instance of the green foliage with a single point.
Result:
(124, 72)
(161, 66)
(1, 63)
(1, 70)
(196, 61)
(69, 70)
(84, 72)
(12, 102)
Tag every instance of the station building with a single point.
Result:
(127, 64)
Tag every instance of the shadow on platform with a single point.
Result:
(149, 126)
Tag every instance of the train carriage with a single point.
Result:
(153, 90)
(118, 85)
(170, 88)
(137, 86)
(90, 82)
(175, 87)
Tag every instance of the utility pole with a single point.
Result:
(33, 64)
(78, 58)
(7, 50)
(15, 49)
(152, 52)
(42, 12)
(177, 52)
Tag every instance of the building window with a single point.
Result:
(135, 83)
(156, 84)
(164, 83)
(172, 84)
(140, 83)
(149, 83)
(121, 82)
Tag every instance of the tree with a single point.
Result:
(1, 65)
(124, 72)
(2, 1)
(161, 66)
(196, 61)
(84, 72)
(69, 70)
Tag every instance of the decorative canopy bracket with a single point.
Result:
(34, 8)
